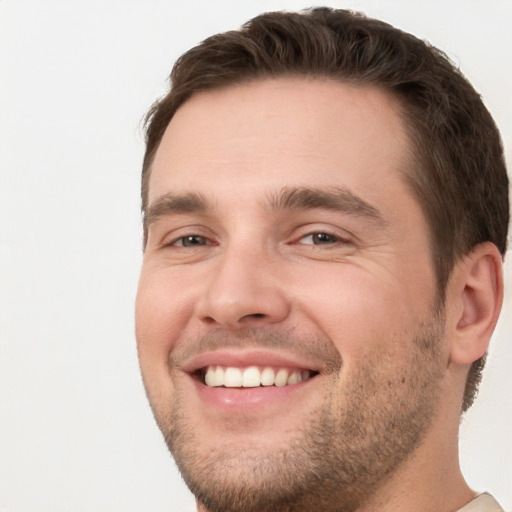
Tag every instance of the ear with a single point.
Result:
(474, 298)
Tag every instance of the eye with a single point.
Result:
(191, 241)
(320, 238)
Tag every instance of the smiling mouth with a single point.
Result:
(253, 376)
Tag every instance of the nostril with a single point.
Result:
(252, 316)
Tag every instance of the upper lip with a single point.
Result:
(248, 357)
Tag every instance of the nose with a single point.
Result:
(243, 290)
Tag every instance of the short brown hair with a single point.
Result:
(459, 175)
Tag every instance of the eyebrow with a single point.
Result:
(289, 198)
(332, 198)
(169, 204)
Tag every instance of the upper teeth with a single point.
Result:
(253, 376)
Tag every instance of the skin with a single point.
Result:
(346, 289)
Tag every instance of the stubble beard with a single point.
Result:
(346, 449)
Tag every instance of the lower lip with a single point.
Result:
(247, 398)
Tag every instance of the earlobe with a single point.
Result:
(476, 292)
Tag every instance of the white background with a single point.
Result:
(76, 77)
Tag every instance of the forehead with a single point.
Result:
(282, 132)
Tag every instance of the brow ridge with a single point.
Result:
(191, 202)
(332, 198)
(288, 198)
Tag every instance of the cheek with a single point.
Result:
(358, 311)
(161, 315)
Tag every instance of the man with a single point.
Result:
(325, 213)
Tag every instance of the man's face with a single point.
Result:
(283, 243)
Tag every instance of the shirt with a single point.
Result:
(483, 503)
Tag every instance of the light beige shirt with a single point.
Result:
(483, 503)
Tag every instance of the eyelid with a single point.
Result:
(336, 238)
(174, 243)
(342, 236)
(170, 238)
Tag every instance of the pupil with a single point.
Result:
(192, 240)
(322, 238)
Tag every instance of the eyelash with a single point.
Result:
(334, 238)
(187, 240)
(180, 242)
